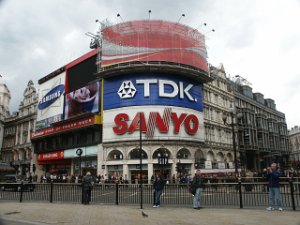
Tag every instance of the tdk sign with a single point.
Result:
(49, 98)
(152, 89)
(127, 89)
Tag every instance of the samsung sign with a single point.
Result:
(51, 97)
(152, 89)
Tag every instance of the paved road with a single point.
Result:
(11, 221)
(77, 214)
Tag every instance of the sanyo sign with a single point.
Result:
(161, 90)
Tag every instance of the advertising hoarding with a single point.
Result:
(51, 155)
(51, 101)
(158, 123)
(81, 71)
(86, 151)
(153, 40)
(152, 89)
(83, 100)
(72, 125)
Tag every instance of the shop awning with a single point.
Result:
(61, 161)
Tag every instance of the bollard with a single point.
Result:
(21, 192)
(292, 194)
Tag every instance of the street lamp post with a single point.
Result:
(238, 116)
(141, 163)
(79, 153)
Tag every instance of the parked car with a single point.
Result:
(14, 183)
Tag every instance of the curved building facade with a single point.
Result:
(153, 74)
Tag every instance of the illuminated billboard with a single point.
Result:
(152, 89)
(153, 40)
(51, 101)
(83, 100)
(81, 71)
(157, 123)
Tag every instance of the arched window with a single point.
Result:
(115, 155)
(162, 152)
(135, 154)
(183, 154)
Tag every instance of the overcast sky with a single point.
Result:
(257, 39)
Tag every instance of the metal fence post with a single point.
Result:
(240, 192)
(83, 197)
(21, 192)
(51, 191)
(292, 194)
(117, 193)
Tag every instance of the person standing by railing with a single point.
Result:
(87, 183)
(273, 175)
(197, 185)
(158, 185)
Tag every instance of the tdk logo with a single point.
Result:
(166, 89)
(126, 90)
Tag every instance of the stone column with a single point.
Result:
(28, 134)
(173, 168)
(125, 169)
(21, 134)
(150, 171)
(100, 161)
(17, 137)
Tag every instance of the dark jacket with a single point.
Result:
(159, 184)
(87, 182)
(197, 182)
(273, 179)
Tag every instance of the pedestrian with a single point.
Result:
(158, 185)
(273, 175)
(87, 188)
(196, 182)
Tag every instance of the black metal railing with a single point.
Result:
(241, 194)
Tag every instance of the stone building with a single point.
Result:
(263, 136)
(17, 148)
(4, 108)
(294, 139)
(217, 151)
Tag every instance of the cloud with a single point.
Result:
(256, 39)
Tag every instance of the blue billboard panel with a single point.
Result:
(152, 89)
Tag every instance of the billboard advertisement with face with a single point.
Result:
(51, 101)
(83, 100)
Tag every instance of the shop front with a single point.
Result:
(54, 163)
(114, 172)
(86, 162)
(134, 172)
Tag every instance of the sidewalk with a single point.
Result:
(58, 214)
